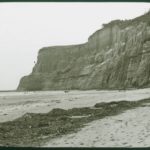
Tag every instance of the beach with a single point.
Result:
(129, 128)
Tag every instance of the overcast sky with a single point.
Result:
(27, 27)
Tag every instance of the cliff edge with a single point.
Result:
(115, 57)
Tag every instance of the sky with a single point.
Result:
(27, 27)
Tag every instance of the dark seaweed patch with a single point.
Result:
(33, 129)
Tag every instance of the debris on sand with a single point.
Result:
(34, 129)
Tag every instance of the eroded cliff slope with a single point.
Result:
(116, 56)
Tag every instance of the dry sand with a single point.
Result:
(16, 104)
(129, 129)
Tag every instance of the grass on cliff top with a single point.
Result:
(34, 129)
(124, 23)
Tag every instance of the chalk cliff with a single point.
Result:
(116, 56)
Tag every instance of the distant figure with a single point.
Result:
(34, 62)
(66, 91)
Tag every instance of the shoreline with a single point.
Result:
(34, 129)
(102, 89)
(14, 105)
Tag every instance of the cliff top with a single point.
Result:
(60, 47)
(120, 23)
(125, 23)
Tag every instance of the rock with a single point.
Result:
(115, 57)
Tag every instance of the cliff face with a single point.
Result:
(117, 56)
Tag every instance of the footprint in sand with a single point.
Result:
(106, 124)
(140, 138)
(70, 100)
(112, 139)
(95, 141)
(55, 101)
(124, 143)
(66, 143)
(81, 143)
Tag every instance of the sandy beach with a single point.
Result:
(127, 129)
(16, 104)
